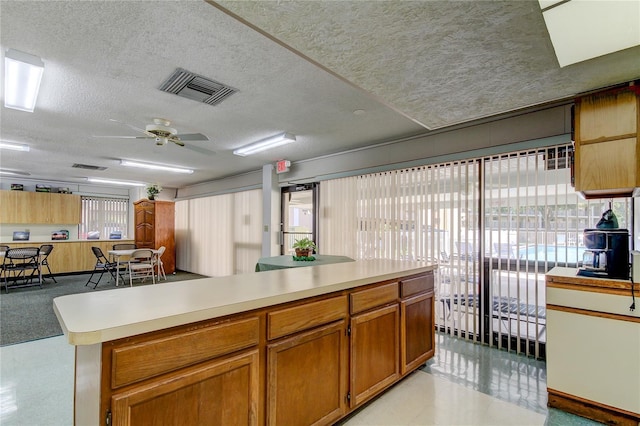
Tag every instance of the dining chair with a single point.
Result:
(45, 251)
(3, 250)
(141, 265)
(20, 261)
(158, 263)
(102, 265)
(124, 246)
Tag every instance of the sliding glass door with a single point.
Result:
(298, 215)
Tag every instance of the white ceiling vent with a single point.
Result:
(196, 87)
(88, 166)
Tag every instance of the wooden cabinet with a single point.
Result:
(307, 376)
(307, 363)
(220, 392)
(65, 208)
(203, 374)
(607, 151)
(155, 227)
(39, 208)
(375, 352)
(375, 341)
(417, 328)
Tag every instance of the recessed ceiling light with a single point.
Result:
(22, 77)
(152, 166)
(359, 112)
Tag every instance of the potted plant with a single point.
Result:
(153, 190)
(304, 247)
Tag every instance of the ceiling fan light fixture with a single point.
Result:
(115, 182)
(22, 77)
(152, 166)
(264, 144)
(161, 127)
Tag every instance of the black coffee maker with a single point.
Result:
(607, 250)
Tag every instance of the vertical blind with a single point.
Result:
(219, 235)
(495, 225)
(103, 216)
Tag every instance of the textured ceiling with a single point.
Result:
(301, 67)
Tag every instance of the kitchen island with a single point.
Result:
(290, 346)
(593, 347)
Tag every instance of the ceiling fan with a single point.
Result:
(161, 132)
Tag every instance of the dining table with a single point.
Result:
(287, 261)
(117, 254)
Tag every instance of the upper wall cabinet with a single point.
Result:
(39, 208)
(607, 156)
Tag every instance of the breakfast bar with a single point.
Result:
(289, 346)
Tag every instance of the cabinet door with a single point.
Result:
(375, 352)
(417, 331)
(24, 207)
(64, 208)
(220, 392)
(9, 213)
(307, 377)
(145, 225)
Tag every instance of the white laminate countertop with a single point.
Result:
(91, 318)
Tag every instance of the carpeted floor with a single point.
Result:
(27, 313)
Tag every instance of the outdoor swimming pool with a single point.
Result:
(557, 254)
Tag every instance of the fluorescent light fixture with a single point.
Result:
(14, 146)
(264, 144)
(583, 29)
(13, 173)
(155, 167)
(115, 182)
(22, 77)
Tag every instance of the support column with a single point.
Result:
(270, 211)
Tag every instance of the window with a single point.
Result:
(104, 218)
(495, 225)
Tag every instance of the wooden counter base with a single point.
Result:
(591, 410)
(309, 361)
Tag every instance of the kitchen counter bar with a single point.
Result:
(91, 318)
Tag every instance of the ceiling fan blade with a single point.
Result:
(192, 137)
(199, 150)
(137, 129)
(122, 137)
(176, 140)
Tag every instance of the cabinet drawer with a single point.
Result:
(306, 316)
(370, 298)
(416, 285)
(137, 362)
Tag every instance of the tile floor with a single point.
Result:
(464, 384)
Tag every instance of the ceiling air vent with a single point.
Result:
(88, 167)
(196, 87)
